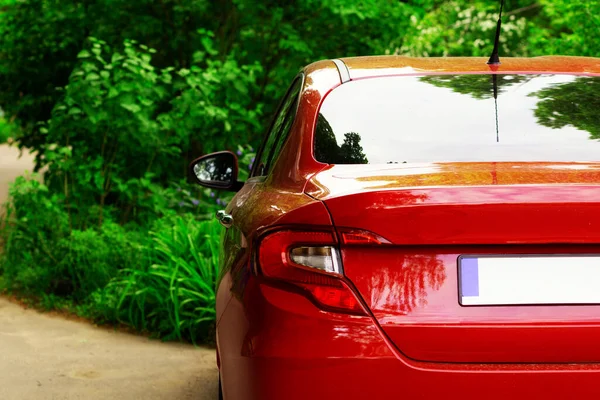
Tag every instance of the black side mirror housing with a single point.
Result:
(217, 171)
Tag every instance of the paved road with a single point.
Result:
(47, 357)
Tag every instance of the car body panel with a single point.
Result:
(340, 180)
(412, 291)
(258, 206)
(498, 203)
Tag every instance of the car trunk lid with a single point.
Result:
(433, 216)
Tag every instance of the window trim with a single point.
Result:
(298, 78)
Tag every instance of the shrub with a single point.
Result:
(7, 129)
(125, 131)
(159, 279)
(173, 293)
(44, 256)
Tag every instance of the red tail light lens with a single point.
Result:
(310, 261)
(359, 237)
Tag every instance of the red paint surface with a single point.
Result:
(416, 341)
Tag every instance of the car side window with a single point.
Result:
(280, 128)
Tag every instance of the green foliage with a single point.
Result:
(566, 27)
(458, 29)
(44, 256)
(162, 281)
(125, 129)
(7, 130)
(529, 28)
(173, 293)
(38, 44)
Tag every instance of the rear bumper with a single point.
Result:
(391, 379)
(277, 345)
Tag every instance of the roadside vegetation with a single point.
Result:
(117, 97)
(7, 129)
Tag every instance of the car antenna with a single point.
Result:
(494, 58)
(495, 87)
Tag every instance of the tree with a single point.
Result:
(573, 104)
(566, 27)
(351, 152)
(328, 151)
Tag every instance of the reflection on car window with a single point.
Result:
(350, 152)
(279, 129)
(452, 118)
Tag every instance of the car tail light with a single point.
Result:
(311, 262)
(359, 237)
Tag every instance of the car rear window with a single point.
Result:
(456, 118)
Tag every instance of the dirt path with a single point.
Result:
(12, 166)
(48, 357)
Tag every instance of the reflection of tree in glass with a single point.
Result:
(327, 149)
(403, 287)
(478, 86)
(574, 103)
(214, 169)
(351, 152)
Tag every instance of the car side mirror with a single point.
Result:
(217, 171)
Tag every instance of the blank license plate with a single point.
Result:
(523, 280)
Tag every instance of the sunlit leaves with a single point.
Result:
(458, 28)
(567, 28)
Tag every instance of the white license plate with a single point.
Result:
(527, 280)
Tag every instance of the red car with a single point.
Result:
(417, 229)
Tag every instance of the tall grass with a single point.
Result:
(173, 294)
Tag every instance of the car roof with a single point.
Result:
(374, 66)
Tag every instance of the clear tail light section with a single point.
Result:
(324, 258)
(311, 262)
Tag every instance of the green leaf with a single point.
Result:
(134, 108)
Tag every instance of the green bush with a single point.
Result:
(161, 281)
(125, 131)
(7, 130)
(44, 256)
(173, 292)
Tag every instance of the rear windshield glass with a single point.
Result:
(454, 118)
